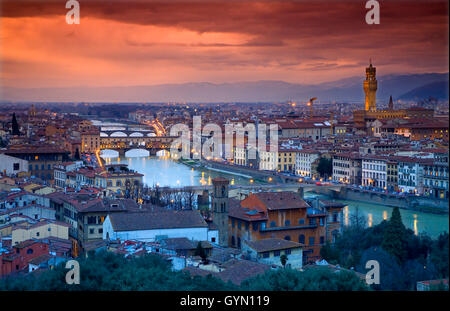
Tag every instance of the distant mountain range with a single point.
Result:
(405, 87)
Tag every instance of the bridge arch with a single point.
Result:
(136, 134)
(109, 153)
(137, 153)
(118, 134)
(102, 134)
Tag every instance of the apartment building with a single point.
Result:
(436, 180)
(347, 168)
(411, 174)
(374, 172)
(304, 160)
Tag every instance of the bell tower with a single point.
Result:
(219, 206)
(370, 88)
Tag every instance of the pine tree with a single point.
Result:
(15, 125)
(200, 251)
(394, 239)
(77, 154)
(283, 260)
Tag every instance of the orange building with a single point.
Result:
(283, 215)
(90, 140)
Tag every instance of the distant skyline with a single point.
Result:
(137, 42)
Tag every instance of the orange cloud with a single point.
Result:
(150, 42)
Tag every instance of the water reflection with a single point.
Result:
(346, 215)
(416, 231)
(163, 171)
(430, 224)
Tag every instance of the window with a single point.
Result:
(322, 240)
(239, 224)
(29, 251)
(335, 217)
(272, 224)
(287, 252)
(100, 230)
(301, 239)
(232, 223)
(255, 226)
(311, 241)
(91, 231)
(301, 221)
(213, 240)
(276, 253)
(312, 221)
(287, 238)
(287, 223)
(232, 240)
(16, 166)
(37, 233)
(266, 254)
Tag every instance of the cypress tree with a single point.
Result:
(15, 125)
(394, 239)
(77, 154)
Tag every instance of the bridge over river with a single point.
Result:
(300, 188)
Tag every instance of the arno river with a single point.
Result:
(165, 172)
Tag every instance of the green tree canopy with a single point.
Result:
(394, 240)
(325, 167)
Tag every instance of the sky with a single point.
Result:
(138, 42)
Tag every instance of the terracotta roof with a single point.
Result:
(238, 271)
(183, 243)
(281, 200)
(267, 245)
(150, 220)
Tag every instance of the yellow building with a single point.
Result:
(370, 88)
(39, 189)
(286, 160)
(117, 178)
(39, 230)
(90, 140)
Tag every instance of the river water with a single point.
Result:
(164, 172)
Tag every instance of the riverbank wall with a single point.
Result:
(256, 174)
(417, 203)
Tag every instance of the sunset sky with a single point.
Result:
(137, 42)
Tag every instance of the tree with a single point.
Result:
(283, 259)
(200, 251)
(106, 271)
(77, 154)
(317, 279)
(394, 237)
(325, 167)
(15, 125)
